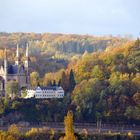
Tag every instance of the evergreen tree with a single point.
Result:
(64, 82)
(72, 82)
(49, 83)
(59, 83)
(54, 83)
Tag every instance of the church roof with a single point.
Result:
(12, 69)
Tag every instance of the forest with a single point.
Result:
(54, 51)
(100, 76)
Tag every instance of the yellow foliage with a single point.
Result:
(10, 138)
(13, 129)
(130, 134)
(69, 130)
(32, 131)
(136, 80)
(34, 78)
(124, 76)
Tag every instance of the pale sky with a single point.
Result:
(95, 17)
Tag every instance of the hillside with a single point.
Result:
(60, 43)
(107, 87)
(52, 52)
(107, 84)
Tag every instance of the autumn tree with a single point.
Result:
(69, 130)
(136, 80)
(10, 137)
(34, 79)
(13, 129)
(97, 72)
(47, 80)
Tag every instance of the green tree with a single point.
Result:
(2, 107)
(97, 72)
(12, 88)
(24, 92)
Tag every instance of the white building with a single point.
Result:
(45, 92)
(30, 93)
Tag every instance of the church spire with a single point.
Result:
(5, 68)
(26, 63)
(17, 55)
(27, 50)
(5, 60)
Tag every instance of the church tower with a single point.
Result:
(18, 72)
(17, 55)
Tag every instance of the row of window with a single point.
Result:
(60, 91)
(48, 96)
(45, 92)
(50, 92)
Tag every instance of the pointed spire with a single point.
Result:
(17, 55)
(27, 50)
(5, 59)
(27, 56)
(5, 66)
(26, 64)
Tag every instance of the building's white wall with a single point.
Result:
(41, 94)
(30, 93)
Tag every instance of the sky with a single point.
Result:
(95, 17)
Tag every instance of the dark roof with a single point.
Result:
(48, 88)
(12, 69)
(45, 88)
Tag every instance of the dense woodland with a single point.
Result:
(54, 51)
(100, 76)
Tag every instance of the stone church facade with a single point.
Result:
(15, 72)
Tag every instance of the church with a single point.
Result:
(19, 71)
